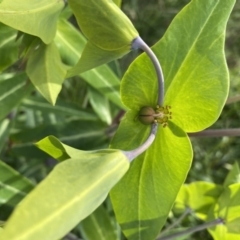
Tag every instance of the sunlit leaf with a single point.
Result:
(73, 190)
(42, 15)
(228, 209)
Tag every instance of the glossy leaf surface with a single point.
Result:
(42, 15)
(199, 197)
(228, 209)
(73, 190)
(71, 44)
(192, 57)
(46, 71)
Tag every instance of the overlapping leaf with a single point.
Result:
(38, 18)
(73, 190)
(109, 31)
(46, 71)
(71, 43)
(192, 58)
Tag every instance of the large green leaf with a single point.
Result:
(8, 46)
(199, 196)
(13, 188)
(12, 91)
(150, 186)
(191, 54)
(38, 18)
(109, 31)
(46, 71)
(193, 61)
(71, 44)
(98, 226)
(228, 209)
(73, 190)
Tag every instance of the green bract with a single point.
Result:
(109, 31)
(72, 191)
(43, 15)
(193, 61)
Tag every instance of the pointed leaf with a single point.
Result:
(71, 44)
(73, 190)
(104, 24)
(94, 56)
(153, 179)
(8, 46)
(233, 176)
(192, 57)
(13, 188)
(4, 132)
(12, 91)
(199, 196)
(38, 18)
(228, 209)
(98, 226)
(46, 71)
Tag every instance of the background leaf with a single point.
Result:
(42, 15)
(233, 176)
(46, 71)
(228, 209)
(13, 188)
(12, 91)
(73, 190)
(8, 46)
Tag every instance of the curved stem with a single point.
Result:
(136, 152)
(193, 230)
(139, 43)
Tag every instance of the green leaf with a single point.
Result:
(93, 56)
(228, 209)
(73, 190)
(233, 176)
(199, 196)
(62, 108)
(191, 54)
(4, 132)
(98, 226)
(118, 2)
(104, 24)
(46, 71)
(154, 178)
(193, 61)
(13, 188)
(12, 91)
(8, 46)
(38, 18)
(109, 31)
(100, 104)
(71, 44)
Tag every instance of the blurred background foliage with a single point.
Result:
(77, 121)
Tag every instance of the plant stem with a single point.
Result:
(139, 43)
(234, 132)
(177, 222)
(136, 152)
(233, 99)
(193, 230)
